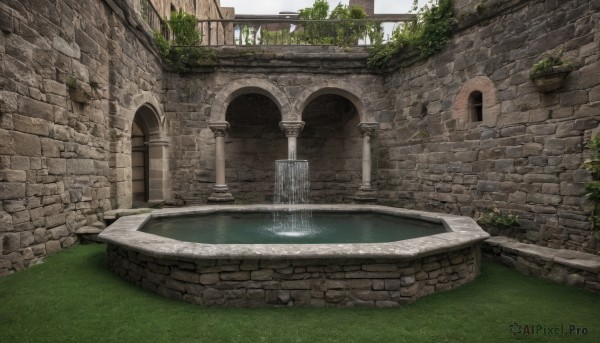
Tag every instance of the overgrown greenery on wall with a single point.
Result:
(426, 35)
(345, 33)
(592, 188)
(183, 52)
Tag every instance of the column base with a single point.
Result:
(365, 196)
(220, 195)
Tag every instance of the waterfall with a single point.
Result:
(291, 188)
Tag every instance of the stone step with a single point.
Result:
(99, 225)
(88, 234)
(112, 215)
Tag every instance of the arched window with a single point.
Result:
(476, 106)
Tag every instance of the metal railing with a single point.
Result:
(261, 32)
(153, 19)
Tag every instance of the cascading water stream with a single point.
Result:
(291, 188)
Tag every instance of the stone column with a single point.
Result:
(220, 191)
(292, 130)
(366, 193)
(158, 170)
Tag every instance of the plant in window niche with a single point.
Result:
(183, 52)
(549, 73)
(592, 188)
(497, 222)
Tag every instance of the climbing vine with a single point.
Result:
(592, 188)
(426, 35)
(183, 52)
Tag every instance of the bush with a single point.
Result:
(495, 217)
(183, 52)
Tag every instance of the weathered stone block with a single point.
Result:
(262, 274)
(11, 242)
(379, 267)
(81, 167)
(12, 190)
(295, 284)
(235, 276)
(185, 276)
(333, 296)
(27, 145)
(57, 166)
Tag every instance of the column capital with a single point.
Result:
(219, 128)
(158, 142)
(367, 128)
(291, 128)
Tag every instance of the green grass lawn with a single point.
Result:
(72, 297)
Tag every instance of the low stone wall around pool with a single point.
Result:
(323, 282)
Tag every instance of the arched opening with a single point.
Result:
(332, 143)
(139, 162)
(476, 106)
(253, 144)
(148, 158)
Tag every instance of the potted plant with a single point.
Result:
(76, 93)
(497, 223)
(550, 72)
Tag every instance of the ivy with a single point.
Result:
(592, 188)
(426, 35)
(183, 52)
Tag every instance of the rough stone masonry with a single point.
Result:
(64, 161)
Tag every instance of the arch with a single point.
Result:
(246, 86)
(462, 111)
(154, 113)
(341, 88)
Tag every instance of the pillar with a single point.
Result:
(366, 193)
(158, 170)
(220, 190)
(292, 131)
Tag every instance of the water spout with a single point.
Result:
(291, 188)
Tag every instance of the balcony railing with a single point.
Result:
(274, 32)
(153, 19)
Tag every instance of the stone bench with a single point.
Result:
(569, 267)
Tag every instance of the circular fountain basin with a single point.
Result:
(382, 273)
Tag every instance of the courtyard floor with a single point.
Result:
(72, 297)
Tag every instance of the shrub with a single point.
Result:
(183, 52)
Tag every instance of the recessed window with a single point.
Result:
(476, 106)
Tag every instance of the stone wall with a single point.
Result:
(301, 282)
(525, 156)
(58, 167)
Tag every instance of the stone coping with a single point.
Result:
(574, 259)
(462, 232)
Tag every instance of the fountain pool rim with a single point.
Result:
(461, 232)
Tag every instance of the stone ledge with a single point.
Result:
(570, 267)
(113, 215)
